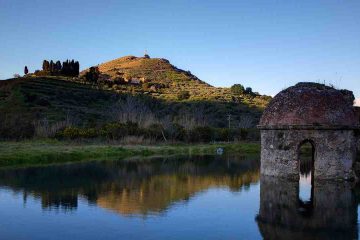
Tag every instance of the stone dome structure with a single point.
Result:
(311, 104)
(310, 113)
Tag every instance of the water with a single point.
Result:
(209, 197)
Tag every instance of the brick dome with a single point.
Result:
(310, 104)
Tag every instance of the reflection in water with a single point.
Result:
(306, 184)
(130, 187)
(94, 201)
(334, 213)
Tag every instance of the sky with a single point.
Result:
(264, 44)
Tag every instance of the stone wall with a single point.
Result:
(332, 215)
(335, 152)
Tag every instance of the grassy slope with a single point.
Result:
(54, 98)
(174, 80)
(49, 152)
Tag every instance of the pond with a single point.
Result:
(198, 197)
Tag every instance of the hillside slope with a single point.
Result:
(159, 78)
(32, 104)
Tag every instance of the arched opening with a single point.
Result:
(306, 156)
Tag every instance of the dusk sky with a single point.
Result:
(267, 45)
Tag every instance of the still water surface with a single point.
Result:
(207, 197)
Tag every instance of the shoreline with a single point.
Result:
(44, 152)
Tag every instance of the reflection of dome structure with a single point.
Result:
(311, 104)
(333, 214)
(315, 113)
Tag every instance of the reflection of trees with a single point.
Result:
(334, 213)
(130, 187)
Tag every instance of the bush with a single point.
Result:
(177, 132)
(201, 134)
(74, 133)
(183, 95)
(249, 91)
(14, 126)
(237, 89)
(221, 134)
(154, 131)
(92, 75)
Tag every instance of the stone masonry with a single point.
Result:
(315, 113)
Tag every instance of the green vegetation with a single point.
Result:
(43, 106)
(160, 102)
(237, 89)
(52, 68)
(183, 95)
(51, 151)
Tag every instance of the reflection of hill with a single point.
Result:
(130, 187)
(158, 192)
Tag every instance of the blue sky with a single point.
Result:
(267, 45)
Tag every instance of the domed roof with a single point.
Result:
(310, 104)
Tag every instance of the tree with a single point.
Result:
(77, 69)
(248, 90)
(26, 70)
(182, 95)
(52, 67)
(237, 89)
(58, 67)
(92, 75)
(46, 66)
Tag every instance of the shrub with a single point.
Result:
(92, 75)
(74, 132)
(201, 134)
(177, 132)
(154, 131)
(221, 134)
(249, 91)
(114, 131)
(69, 132)
(182, 95)
(237, 89)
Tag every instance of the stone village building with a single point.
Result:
(320, 115)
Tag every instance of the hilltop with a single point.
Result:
(159, 78)
(140, 90)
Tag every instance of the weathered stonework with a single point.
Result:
(335, 151)
(314, 113)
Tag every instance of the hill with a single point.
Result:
(140, 90)
(159, 78)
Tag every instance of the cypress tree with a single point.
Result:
(52, 67)
(26, 70)
(64, 68)
(58, 67)
(72, 68)
(46, 66)
(77, 68)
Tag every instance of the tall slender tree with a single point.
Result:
(46, 66)
(26, 70)
(52, 67)
(77, 68)
(58, 67)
